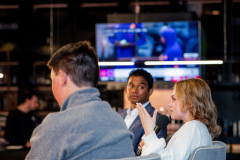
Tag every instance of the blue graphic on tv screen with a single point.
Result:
(149, 41)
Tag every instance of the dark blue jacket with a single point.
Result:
(137, 129)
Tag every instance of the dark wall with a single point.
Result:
(228, 103)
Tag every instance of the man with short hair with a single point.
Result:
(139, 89)
(86, 127)
(21, 122)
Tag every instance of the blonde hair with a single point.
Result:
(195, 96)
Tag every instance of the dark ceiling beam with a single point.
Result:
(123, 6)
(174, 6)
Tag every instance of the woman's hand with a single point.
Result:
(148, 122)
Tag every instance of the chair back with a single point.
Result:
(216, 151)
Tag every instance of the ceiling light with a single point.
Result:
(203, 62)
(116, 63)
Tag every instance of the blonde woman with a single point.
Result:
(192, 103)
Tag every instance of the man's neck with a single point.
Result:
(69, 90)
(23, 108)
(133, 105)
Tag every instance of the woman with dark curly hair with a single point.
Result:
(192, 103)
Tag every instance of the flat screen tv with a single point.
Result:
(149, 41)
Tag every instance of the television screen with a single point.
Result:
(149, 41)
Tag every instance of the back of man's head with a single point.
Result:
(79, 61)
(143, 73)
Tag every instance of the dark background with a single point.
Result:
(33, 30)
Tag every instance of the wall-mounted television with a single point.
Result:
(149, 41)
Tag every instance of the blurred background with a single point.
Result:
(30, 32)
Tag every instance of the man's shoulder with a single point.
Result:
(14, 113)
(52, 117)
(121, 111)
(53, 122)
(150, 109)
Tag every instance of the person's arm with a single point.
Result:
(11, 129)
(151, 142)
(180, 146)
(46, 141)
(147, 121)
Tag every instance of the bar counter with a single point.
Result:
(13, 154)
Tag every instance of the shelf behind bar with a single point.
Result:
(11, 88)
(8, 63)
(43, 88)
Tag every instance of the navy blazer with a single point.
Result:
(137, 129)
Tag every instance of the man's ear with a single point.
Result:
(63, 76)
(150, 92)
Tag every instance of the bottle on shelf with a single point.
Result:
(214, 77)
(238, 128)
(236, 77)
(225, 127)
(5, 76)
(234, 129)
(14, 78)
(230, 129)
(219, 76)
(33, 78)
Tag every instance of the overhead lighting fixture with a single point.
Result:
(204, 62)
(116, 63)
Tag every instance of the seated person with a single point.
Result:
(86, 127)
(20, 122)
(192, 103)
(139, 89)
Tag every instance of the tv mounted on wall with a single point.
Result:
(149, 41)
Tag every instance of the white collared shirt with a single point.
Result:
(132, 115)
